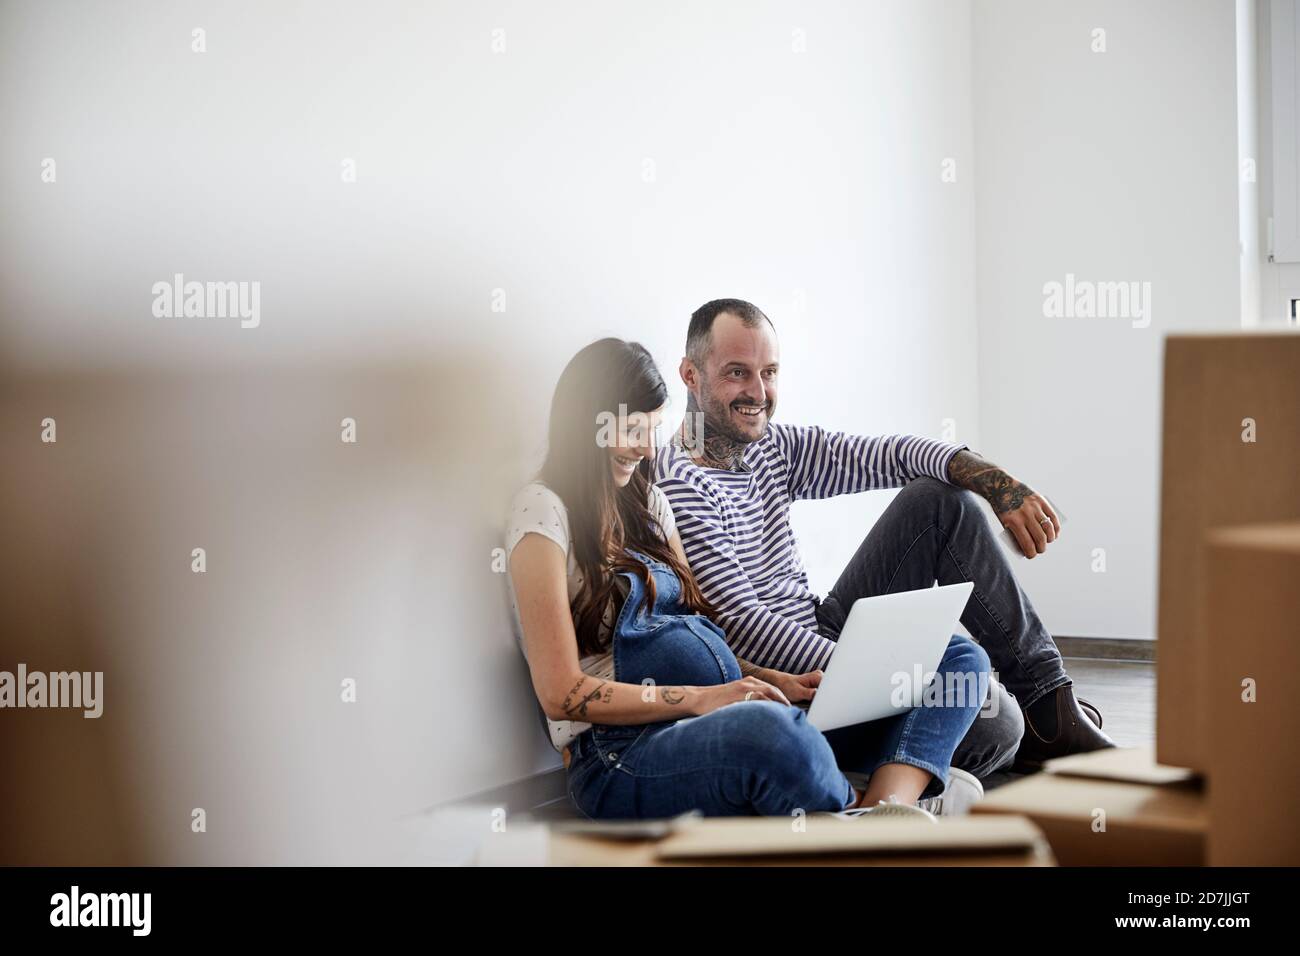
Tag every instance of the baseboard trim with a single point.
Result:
(1107, 648)
(543, 789)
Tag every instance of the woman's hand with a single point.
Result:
(709, 699)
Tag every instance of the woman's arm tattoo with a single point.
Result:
(576, 701)
(575, 704)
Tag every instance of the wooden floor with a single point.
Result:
(1124, 692)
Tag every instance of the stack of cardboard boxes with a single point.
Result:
(1111, 808)
(1228, 655)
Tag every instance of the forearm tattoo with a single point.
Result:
(990, 481)
(575, 703)
(577, 699)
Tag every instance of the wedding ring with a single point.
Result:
(749, 695)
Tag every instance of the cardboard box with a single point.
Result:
(774, 841)
(1111, 808)
(1211, 478)
(1253, 617)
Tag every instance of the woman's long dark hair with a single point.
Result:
(604, 519)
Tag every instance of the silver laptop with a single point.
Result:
(889, 646)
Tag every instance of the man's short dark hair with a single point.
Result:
(699, 335)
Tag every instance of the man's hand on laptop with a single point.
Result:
(798, 688)
(1022, 511)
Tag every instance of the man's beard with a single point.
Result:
(722, 444)
(718, 423)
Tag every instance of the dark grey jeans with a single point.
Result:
(933, 531)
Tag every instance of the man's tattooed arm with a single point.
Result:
(990, 481)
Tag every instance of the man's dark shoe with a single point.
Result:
(1090, 711)
(1056, 725)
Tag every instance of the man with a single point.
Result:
(731, 489)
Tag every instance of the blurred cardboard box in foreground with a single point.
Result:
(1111, 808)
(815, 840)
(1253, 621)
(1230, 456)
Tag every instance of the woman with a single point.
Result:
(654, 714)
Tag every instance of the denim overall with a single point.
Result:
(669, 645)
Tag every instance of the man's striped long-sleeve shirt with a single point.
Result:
(735, 527)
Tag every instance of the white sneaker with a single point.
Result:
(892, 809)
(963, 791)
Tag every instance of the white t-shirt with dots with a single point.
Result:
(536, 509)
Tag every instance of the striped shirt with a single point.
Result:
(735, 527)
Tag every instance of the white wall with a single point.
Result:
(1252, 234)
(1112, 166)
(1273, 284)
(885, 340)
(808, 182)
